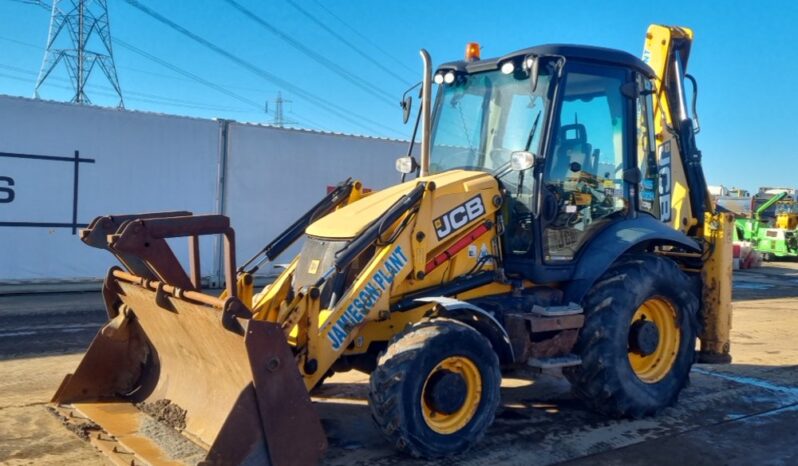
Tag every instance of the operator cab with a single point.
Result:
(585, 116)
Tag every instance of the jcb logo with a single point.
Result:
(458, 217)
(665, 182)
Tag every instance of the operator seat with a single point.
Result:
(572, 146)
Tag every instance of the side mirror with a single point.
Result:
(531, 63)
(522, 160)
(406, 165)
(407, 105)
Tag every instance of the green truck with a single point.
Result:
(775, 236)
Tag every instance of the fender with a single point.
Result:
(481, 320)
(619, 238)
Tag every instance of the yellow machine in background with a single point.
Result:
(559, 219)
(787, 217)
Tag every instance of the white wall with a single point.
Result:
(275, 175)
(151, 162)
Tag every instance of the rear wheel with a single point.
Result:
(436, 388)
(638, 342)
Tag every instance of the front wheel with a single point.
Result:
(436, 388)
(638, 342)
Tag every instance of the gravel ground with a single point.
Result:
(743, 413)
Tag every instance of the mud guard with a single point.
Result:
(617, 239)
(478, 318)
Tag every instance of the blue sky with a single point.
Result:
(744, 58)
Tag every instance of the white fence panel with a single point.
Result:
(130, 162)
(274, 175)
(134, 162)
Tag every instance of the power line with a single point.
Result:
(19, 42)
(189, 77)
(353, 78)
(96, 90)
(35, 2)
(307, 122)
(186, 80)
(308, 96)
(349, 44)
(302, 120)
(145, 97)
(365, 38)
(157, 60)
(187, 74)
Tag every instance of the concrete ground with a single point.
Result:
(743, 413)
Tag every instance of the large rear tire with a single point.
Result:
(638, 342)
(436, 388)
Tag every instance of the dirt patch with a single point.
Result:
(172, 443)
(29, 435)
(82, 428)
(166, 412)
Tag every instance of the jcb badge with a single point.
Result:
(459, 217)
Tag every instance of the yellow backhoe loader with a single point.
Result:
(558, 218)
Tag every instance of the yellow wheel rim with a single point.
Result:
(444, 423)
(653, 367)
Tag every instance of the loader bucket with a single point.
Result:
(182, 377)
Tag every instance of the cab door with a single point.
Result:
(591, 138)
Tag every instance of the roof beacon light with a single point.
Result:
(472, 51)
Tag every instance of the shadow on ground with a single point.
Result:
(540, 422)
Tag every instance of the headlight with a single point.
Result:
(405, 165)
(522, 160)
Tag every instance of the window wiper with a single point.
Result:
(504, 168)
(533, 131)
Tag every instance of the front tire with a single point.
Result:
(436, 388)
(638, 342)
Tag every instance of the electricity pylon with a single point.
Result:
(80, 37)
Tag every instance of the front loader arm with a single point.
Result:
(347, 192)
(321, 335)
(404, 255)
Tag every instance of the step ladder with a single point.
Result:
(568, 360)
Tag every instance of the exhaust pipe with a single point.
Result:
(426, 111)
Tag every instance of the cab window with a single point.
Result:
(646, 157)
(583, 180)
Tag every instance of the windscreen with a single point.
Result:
(481, 118)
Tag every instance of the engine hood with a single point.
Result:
(450, 187)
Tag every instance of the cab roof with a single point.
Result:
(577, 52)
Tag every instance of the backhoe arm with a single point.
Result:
(684, 198)
(667, 50)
